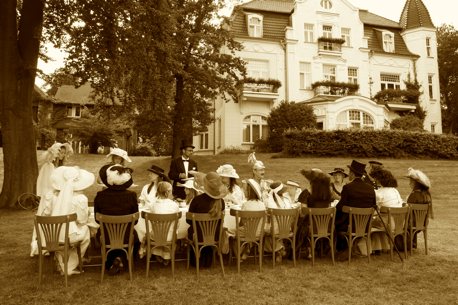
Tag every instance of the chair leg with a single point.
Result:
(80, 259)
(261, 254)
(65, 267)
(197, 254)
(331, 245)
(294, 250)
(425, 236)
(411, 242)
(188, 256)
(238, 255)
(148, 260)
(40, 266)
(221, 260)
(273, 251)
(369, 247)
(350, 244)
(405, 244)
(104, 260)
(312, 249)
(130, 262)
(173, 260)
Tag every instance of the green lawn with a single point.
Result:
(421, 279)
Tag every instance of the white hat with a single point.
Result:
(254, 162)
(227, 170)
(292, 183)
(80, 178)
(418, 176)
(119, 152)
(189, 184)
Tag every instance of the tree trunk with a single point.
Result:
(182, 120)
(19, 57)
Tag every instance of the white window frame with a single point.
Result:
(254, 29)
(257, 68)
(252, 122)
(305, 75)
(329, 73)
(390, 81)
(354, 118)
(203, 140)
(74, 111)
(428, 47)
(388, 44)
(431, 86)
(345, 33)
(308, 32)
(353, 75)
(326, 4)
(326, 30)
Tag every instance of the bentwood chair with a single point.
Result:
(418, 223)
(321, 226)
(113, 231)
(283, 227)
(397, 225)
(250, 233)
(208, 232)
(360, 225)
(159, 227)
(52, 236)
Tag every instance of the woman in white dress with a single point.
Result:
(68, 198)
(229, 177)
(149, 192)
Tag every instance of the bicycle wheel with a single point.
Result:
(28, 201)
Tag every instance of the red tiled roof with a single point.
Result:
(415, 15)
(277, 6)
(367, 17)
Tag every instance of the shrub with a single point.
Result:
(370, 143)
(261, 146)
(407, 122)
(143, 149)
(288, 116)
(234, 150)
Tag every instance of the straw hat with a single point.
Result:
(227, 170)
(256, 187)
(81, 178)
(116, 176)
(210, 184)
(292, 183)
(311, 174)
(119, 152)
(418, 176)
(338, 170)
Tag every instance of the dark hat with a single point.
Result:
(338, 170)
(376, 163)
(357, 167)
(185, 144)
(157, 170)
(116, 177)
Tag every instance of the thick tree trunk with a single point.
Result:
(19, 56)
(182, 120)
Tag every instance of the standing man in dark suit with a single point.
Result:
(180, 167)
(357, 193)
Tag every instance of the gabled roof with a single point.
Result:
(277, 6)
(67, 94)
(369, 18)
(415, 15)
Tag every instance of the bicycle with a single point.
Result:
(28, 201)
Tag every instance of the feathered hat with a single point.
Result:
(256, 164)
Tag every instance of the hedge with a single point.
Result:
(370, 143)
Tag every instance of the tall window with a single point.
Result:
(329, 72)
(430, 86)
(74, 111)
(257, 68)
(428, 46)
(308, 32)
(254, 23)
(305, 75)
(203, 143)
(353, 75)
(388, 42)
(327, 31)
(354, 119)
(345, 33)
(326, 4)
(254, 128)
(433, 127)
(389, 81)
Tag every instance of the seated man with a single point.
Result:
(358, 194)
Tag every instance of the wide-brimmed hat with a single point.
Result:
(116, 176)
(119, 152)
(374, 162)
(189, 184)
(278, 187)
(338, 170)
(210, 184)
(311, 174)
(185, 144)
(256, 187)
(80, 179)
(357, 167)
(157, 170)
(227, 170)
(292, 183)
(418, 176)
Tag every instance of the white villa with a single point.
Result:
(314, 47)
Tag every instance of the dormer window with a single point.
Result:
(254, 22)
(326, 4)
(388, 42)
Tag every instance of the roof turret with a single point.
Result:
(415, 15)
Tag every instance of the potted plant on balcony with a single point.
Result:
(261, 85)
(331, 40)
(337, 88)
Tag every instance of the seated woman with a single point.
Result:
(116, 199)
(319, 196)
(149, 192)
(211, 202)
(338, 176)
(189, 190)
(68, 198)
(164, 205)
(229, 177)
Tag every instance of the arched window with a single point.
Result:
(254, 128)
(388, 42)
(354, 119)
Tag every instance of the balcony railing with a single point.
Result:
(335, 88)
(324, 46)
(253, 87)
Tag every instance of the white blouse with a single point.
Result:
(388, 197)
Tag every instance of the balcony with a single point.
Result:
(260, 89)
(397, 99)
(334, 88)
(330, 46)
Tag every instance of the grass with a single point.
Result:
(421, 279)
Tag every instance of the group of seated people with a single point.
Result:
(211, 192)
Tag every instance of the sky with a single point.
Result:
(441, 11)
